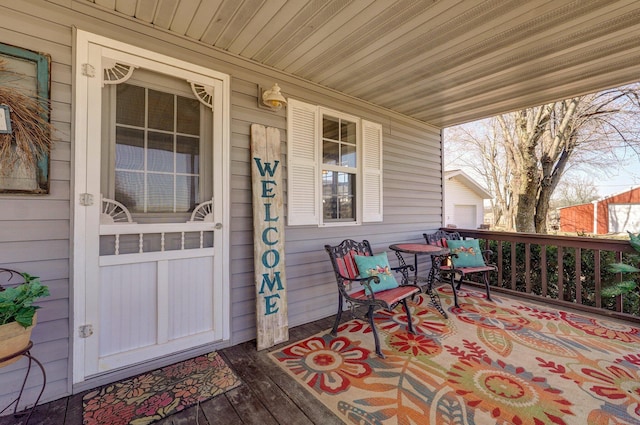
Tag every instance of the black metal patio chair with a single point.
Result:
(343, 260)
(450, 269)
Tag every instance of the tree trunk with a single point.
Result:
(526, 206)
(530, 127)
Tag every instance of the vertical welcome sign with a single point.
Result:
(272, 321)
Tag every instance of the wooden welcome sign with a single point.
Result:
(272, 321)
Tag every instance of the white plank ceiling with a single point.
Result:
(443, 62)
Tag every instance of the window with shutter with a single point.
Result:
(334, 170)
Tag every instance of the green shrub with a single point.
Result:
(630, 286)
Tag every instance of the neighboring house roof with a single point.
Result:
(442, 62)
(613, 195)
(574, 206)
(604, 198)
(465, 179)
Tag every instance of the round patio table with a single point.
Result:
(437, 254)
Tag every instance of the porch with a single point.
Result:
(268, 395)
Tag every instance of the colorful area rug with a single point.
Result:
(501, 362)
(155, 395)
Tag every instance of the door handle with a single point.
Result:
(218, 226)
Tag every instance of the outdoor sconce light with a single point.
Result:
(273, 99)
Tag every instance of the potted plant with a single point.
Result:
(17, 313)
(631, 284)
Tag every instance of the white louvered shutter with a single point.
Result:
(302, 164)
(371, 171)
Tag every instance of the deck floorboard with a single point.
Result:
(267, 395)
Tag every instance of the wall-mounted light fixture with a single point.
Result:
(273, 99)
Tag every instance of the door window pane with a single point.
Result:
(129, 190)
(130, 105)
(188, 116)
(160, 110)
(129, 149)
(160, 152)
(187, 155)
(187, 193)
(160, 192)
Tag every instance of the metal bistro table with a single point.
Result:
(437, 254)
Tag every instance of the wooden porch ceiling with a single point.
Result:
(443, 62)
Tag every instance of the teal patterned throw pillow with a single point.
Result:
(376, 265)
(468, 253)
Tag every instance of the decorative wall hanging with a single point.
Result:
(25, 123)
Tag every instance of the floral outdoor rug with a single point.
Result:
(492, 362)
(157, 394)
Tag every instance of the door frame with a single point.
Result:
(84, 216)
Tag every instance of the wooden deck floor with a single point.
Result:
(267, 395)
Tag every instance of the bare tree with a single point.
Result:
(522, 156)
(578, 189)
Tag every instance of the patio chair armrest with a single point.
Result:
(364, 281)
(404, 271)
(487, 254)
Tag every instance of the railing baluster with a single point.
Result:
(117, 247)
(513, 266)
(579, 275)
(500, 259)
(162, 242)
(141, 243)
(543, 269)
(527, 267)
(560, 274)
(598, 278)
(619, 279)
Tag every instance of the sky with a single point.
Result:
(620, 180)
(617, 180)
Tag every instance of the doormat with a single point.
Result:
(157, 394)
(500, 362)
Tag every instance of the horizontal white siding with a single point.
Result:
(34, 231)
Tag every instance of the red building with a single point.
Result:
(613, 214)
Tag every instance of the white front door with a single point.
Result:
(151, 213)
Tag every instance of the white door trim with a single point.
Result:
(85, 46)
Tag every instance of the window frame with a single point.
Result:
(357, 171)
(42, 63)
(205, 151)
(305, 165)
